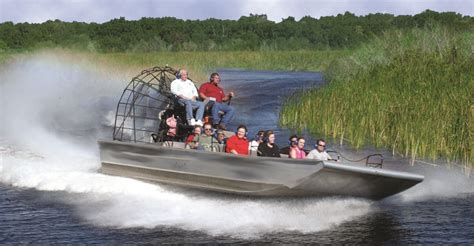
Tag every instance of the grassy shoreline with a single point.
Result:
(409, 91)
(200, 64)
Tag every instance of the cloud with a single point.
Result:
(105, 10)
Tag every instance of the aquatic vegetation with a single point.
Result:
(410, 91)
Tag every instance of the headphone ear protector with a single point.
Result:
(178, 74)
(212, 76)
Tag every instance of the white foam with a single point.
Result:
(121, 202)
(441, 181)
(48, 103)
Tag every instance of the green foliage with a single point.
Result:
(251, 33)
(3, 46)
(411, 91)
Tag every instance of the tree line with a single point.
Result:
(253, 32)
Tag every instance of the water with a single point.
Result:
(54, 108)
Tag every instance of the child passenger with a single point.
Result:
(192, 141)
(219, 145)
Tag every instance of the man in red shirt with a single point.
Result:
(215, 95)
(238, 144)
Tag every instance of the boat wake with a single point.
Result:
(55, 108)
(54, 114)
(441, 182)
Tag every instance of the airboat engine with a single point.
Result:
(145, 105)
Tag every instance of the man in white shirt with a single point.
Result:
(187, 95)
(319, 153)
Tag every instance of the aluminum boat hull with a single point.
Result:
(253, 176)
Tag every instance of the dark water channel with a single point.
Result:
(438, 211)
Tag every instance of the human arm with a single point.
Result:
(202, 95)
(260, 149)
(310, 155)
(194, 91)
(330, 158)
(179, 90)
(230, 146)
(228, 97)
(292, 153)
(203, 91)
(237, 146)
(194, 141)
(276, 151)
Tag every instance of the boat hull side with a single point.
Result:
(250, 175)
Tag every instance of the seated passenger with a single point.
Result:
(292, 141)
(219, 146)
(297, 151)
(192, 141)
(253, 146)
(187, 95)
(268, 147)
(238, 144)
(206, 140)
(216, 97)
(319, 153)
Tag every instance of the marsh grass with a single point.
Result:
(201, 64)
(409, 91)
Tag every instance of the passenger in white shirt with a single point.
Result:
(253, 146)
(319, 153)
(187, 95)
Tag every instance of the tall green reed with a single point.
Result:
(410, 91)
(201, 64)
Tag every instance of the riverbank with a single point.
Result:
(201, 64)
(409, 91)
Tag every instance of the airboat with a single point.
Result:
(143, 148)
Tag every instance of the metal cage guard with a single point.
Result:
(142, 103)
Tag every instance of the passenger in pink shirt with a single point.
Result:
(297, 151)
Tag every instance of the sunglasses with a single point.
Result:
(207, 129)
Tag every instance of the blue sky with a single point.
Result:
(38, 11)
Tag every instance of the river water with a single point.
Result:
(54, 109)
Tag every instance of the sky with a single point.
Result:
(99, 11)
